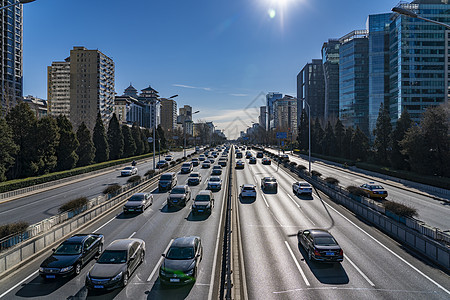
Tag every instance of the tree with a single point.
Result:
(415, 148)
(115, 138)
(67, 146)
(347, 143)
(86, 149)
(129, 143)
(382, 132)
(316, 137)
(8, 149)
(160, 136)
(360, 145)
(303, 132)
(100, 141)
(339, 132)
(329, 140)
(399, 160)
(136, 132)
(47, 140)
(145, 142)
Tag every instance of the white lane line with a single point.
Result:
(335, 288)
(359, 271)
(14, 287)
(389, 250)
(264, 198)
(159, 262)
(298, 206)
(132, 235)
(95, 231)
(297, 264)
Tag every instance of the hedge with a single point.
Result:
(112, 189)
(355, 190)
(74, 204)
(400, 209)
(13, 228)
(134, 178)
(332, 180)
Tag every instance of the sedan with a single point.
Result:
(374, 190)
(266, 161)
(269, 184)
(168, 158)
(116, 264)
(138, 203)
(248, 190)
(320, 245)
(179, 196)
(301, 187)
(217, 170)
(162, 164)
(181, 262)
(252, 160)
(194, 178)
(206, 165)
(129, 171)
(215, 183)
(239, 164)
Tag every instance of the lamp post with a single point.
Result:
(184, 129)
(16, 3)
(154, 135)
(412, 14)
(309, 134)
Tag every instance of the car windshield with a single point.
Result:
(178, 191)
(193, 175)
(162, 162)
(202, 198)
(186, 165)
(68, 249)
(137, 198)
(113, 257)
(214, 179)
(248, 188)
(304, 184)
(180, 253)
(270, 180)
(217, 167)
(324, 241)
(166, 177)
(375, 187)
(128, 168)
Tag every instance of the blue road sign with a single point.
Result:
(282, 143)
(281, 135)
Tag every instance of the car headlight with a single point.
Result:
(66, 269)
(162, 272)
(41, 269)
(117, 277)
(190, 272)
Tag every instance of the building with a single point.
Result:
(285, 114)
(185, 119)
(311, 89)
(270, 98)
(37, 105)
(151, 107)
(330, 61)
(168, 114)
(58, 88)
(419, 59)
(262, 119)
(91, 87)
(128, 109)
(354, 80)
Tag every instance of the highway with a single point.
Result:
(38, 206)
(433, 212)
(157, 226)
(374, 267)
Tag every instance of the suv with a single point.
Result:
(186, 168)
(238, 154)
(269, 184)
(248, 190)
(204, 202)
(259, 154)
(167, 181)
(195, 162)
(217, 170)
(222, 162)
(179, 195)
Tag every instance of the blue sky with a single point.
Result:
(219, 56)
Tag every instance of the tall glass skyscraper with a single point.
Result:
(311, 88)
(419, 59)
(330, 60)
(270, 98)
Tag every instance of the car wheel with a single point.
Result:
(77, 269)
(125, 279)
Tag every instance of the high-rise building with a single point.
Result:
(91, 87)
(263, 116)
(128, 109)
(185, 119)
(58, 88)
(37, 105)
(330, 61)
(168, 114)
(285, 114)
(152, 107)
(11, 32)
(270, 98)
(353, 80)
(419, 59)
(311, 89)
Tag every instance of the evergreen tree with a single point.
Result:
(339, 132)
(8, 149)
(22, 122)
(316, 137)
(86, 149)
(347, 143)
(303, 132)
(100, 141)
(415, 148)
(162, 138)
(129, 143)
(145, 141)
(47, 139)
(360, 145)
(67, 146)
(382, 132)
(115, 139)
(329, 140)
(399, 160)
(136, 132)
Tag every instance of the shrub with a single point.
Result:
(301, 167)
(400, 209)
(332, 180)
(293, 163)
(184, 158)
(134, 178)
(112, 189)
(13, 228)
(355, 190)
(172, 163)
(150, 173)
(315, 173)
(75, 204)
(178, 160)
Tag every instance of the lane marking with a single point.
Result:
(132, 235)
(352, 289)
(95, 231)
(264, 198)
(21, 282)
(359, 271)
(297, 264)
(298, 206)
(159, 262)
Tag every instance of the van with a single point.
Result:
(167, 181)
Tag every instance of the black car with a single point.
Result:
(180, 264)
(167, 181)
(320, 245)
(269, 184)
(239, 155)
(266, 161)
(252, 160)
(138, 203)
(217, 170)
(69, 257)
(179, 196)
(259, 154)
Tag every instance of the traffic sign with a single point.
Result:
(282, 143)
(281, 135)
(150, 140)
(175, 137)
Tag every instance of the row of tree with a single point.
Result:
(31, 146)
(423, 148)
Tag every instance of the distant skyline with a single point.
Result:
(220, 57)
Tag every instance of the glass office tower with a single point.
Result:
(330, 60)
(311, 88)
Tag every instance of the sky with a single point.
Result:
(220, 57)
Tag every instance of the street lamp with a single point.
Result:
(184, 129)
(16, 3)
(412, 14)
(154, 135)
(309, 134)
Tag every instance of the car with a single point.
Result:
(195, 162)
(116, 264)
(222, 162)
(70, 256)
(252, 160)
(186, 168)
(215, 183)
(206, 165)
(129, 171)
(248, 154)
(248, 190)
(239, 164)
(203, 202)
(301, 187)
(181, 261)
(238, 154)
(211, 159)
(201, 157)
(214, 154)
(374, 190)
(266, 161)
(194, 178)
(217, 170)
(320, 245)
(167, 181)
(284, 157)
(138, 203)
(162, 164)
(168, 158)
(259, 154)
(179, 196)
(269, 184)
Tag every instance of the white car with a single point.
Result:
(248, 190)
(302, 187)
(214, 183)
(129, 171)
(168, 158)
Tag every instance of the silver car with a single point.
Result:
(138, 203)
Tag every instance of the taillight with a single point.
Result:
(341, 252)
(316, 253)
